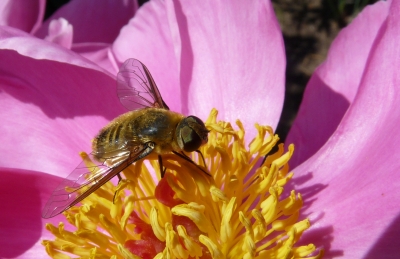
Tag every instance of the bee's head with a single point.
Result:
(191, 133)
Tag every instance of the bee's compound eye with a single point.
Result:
(191, 140)
(193, 120)
(191, 133)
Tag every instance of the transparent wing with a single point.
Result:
(90, 174)
(136, 88)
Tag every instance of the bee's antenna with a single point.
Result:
(184, 156)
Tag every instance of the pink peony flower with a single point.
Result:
(227, 56)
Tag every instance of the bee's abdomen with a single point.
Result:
(138, 127)
(112, 138)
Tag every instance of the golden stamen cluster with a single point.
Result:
(236, 213)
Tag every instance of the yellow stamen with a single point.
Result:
(193, 248)
(212, 247)
(195, 212)
(239, 212)
(157, 229)
(126, 254)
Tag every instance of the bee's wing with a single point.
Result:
(136, 88)
(88, 177)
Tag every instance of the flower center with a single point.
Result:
(237, 212)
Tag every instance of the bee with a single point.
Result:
(149, 127)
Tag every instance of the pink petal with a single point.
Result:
(21, 14)
(22, 196)
(227, 55)
(99, 53)
(242, 69)
(92, 20)
(147, 38)
(335, 83)
(54, 101)
(351, 185)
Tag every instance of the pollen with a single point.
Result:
(240, 210)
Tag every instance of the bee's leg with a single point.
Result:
(184, 156)
(162, 168)
(202, 157)
(138, 152)
(119, 177)
(115, 195)
(119, 180)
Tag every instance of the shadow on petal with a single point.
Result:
(20, 217)
(21, 196)
(59, 89)
(316, 122)
(388, 245)
(309, 193)
(322, 238)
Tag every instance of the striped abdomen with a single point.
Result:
(138, 127)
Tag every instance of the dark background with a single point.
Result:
(308, 27)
